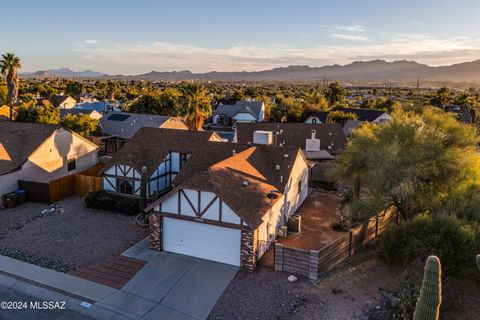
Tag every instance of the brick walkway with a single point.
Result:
(114, 272)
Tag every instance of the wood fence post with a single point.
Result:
(278, 257)
(313, 265)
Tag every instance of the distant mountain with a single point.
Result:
(65, 73)
(358, 71)
(374, 70)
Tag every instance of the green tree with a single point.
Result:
(9, 66)
(82, 124)
(443, 96)
(341, 117)
(74, 88)
(3, 93)
(416, 162)
(47, 114)
(194, 103)
(334, 94)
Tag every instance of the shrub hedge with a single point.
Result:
(112, 202)
(452, 240)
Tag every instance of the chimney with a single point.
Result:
(312, 144)
(263, 137)
(313, 134)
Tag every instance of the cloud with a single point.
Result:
(91, 41)
(137, 57)
(354, 28)
(349, 37)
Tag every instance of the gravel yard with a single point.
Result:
(73, 235)
(351, 291)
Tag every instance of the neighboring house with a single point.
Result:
(5, 112)
(62, 102)
(241, 111)
(316, 117)
(369, 115)
(329, 139)
(94, 114)
(99, 106)
(41, 153)
(118, 127)
(164, 152)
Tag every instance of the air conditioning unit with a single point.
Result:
(294, 224)
(283, 231)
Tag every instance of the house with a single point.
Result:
(317, 140)
(166, 154)
(369, 115)
(118, 126)
(241, 111)
(316, 117)
(351, 125)
(41, 153)
(62, 102)
(99, 106)
(232, 210)
(5, 112)
(94, 114)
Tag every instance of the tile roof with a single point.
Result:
(295, 134)
(252, 107)
(125, 125)
(149, 147)
(363, 114)
(19, 140)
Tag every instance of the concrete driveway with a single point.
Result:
(171, 286)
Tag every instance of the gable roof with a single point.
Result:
(19, 140)
(149, 147)
(77, 111)
(57, 99)
(321, 115)
(125, 125)
(351, 125)
(363, 114)
(295, 134)
(252, 107)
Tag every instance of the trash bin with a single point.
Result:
(11, 200)
(21, 196)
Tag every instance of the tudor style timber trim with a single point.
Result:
(201, 220)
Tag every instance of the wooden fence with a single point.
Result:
(80, 184)
(315, 264)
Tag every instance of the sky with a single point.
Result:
(137, 36)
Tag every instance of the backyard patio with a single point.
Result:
(65, 235)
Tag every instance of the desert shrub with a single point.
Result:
(453, 241)
(404, 305)
(113, 202)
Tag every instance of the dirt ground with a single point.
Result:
(356, 290)
(75, 235)
(317, 212)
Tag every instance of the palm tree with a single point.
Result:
(443, 96)
(195, 104)
(9, 65)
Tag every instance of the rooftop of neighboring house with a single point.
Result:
(351, 125)
(124, 125)
(57, 99)
(321, 115)
(18, 140)
(76, 112)
(252, 107)
(331, 136)
(363, 114)
(99, 106)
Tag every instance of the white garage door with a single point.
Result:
(202, 241)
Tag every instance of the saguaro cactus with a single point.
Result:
(143, 190)
(428, 304)
(478, 261)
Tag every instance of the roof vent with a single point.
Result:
(277, 167)
(234, 152)
(272, 195)
(245, 183)
(285, 155)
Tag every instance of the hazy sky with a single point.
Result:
(137, 36)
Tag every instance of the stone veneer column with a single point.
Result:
(247, 253)
(155, 222)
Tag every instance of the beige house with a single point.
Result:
(41, 153)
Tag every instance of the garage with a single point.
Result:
(201, 240)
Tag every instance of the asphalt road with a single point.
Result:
(33, 314)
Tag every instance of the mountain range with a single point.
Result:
(374, 70)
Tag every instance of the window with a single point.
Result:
(299, 186)
(125, 186)
(71, 164)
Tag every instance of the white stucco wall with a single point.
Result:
(383, 117)
(310, 119)
(49, 161)
(244, 117)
